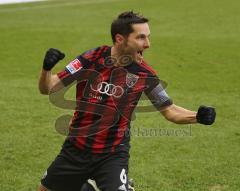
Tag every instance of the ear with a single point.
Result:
(119, 38)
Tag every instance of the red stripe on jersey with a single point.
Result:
(63, 74)
(108, 116)
(108, 132)
(103, 130)
(121, 132)
(127, 111)
(93, 55)
(88, 118)
(84, 127)
(84, 123)
(145, 65)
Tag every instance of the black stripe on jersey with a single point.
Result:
(136, 68)
(94, 54)
(91, 140)
(93, 57)
(82, 105)
(112, 137)
(151, 79)
(121, 108)
(93, 130)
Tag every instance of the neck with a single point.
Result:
(117, 53)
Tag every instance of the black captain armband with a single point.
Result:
(159, 97)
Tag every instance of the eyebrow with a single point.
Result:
(141, 34)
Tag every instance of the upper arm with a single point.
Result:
(78, 68)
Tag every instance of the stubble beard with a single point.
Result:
(127, 53)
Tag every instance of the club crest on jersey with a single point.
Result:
(74, 66)
(131, 79)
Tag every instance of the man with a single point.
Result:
(110, 81)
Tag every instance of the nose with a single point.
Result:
(147, 43)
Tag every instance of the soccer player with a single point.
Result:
(110, 81)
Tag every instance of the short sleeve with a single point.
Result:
(68, 75)
(74, 69)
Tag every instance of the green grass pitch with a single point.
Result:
(195, 47)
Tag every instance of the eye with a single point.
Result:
(141, 37)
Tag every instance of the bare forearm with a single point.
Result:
(45, 81)
(49, 83)
(179, 115)
(184, 116)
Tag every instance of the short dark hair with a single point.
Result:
(123, 24)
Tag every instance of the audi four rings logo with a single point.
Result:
(108, 89)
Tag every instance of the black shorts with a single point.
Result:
(72, 168)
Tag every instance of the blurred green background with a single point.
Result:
(194, 47)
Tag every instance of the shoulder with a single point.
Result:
(95, 53)
(144, 66)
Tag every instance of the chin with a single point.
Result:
(139, 60)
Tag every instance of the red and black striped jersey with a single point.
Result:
(106, 96)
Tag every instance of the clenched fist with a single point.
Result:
(52, 57)
(206, 115)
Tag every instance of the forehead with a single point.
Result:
(141, 28)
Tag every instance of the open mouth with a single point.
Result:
(140, 53)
